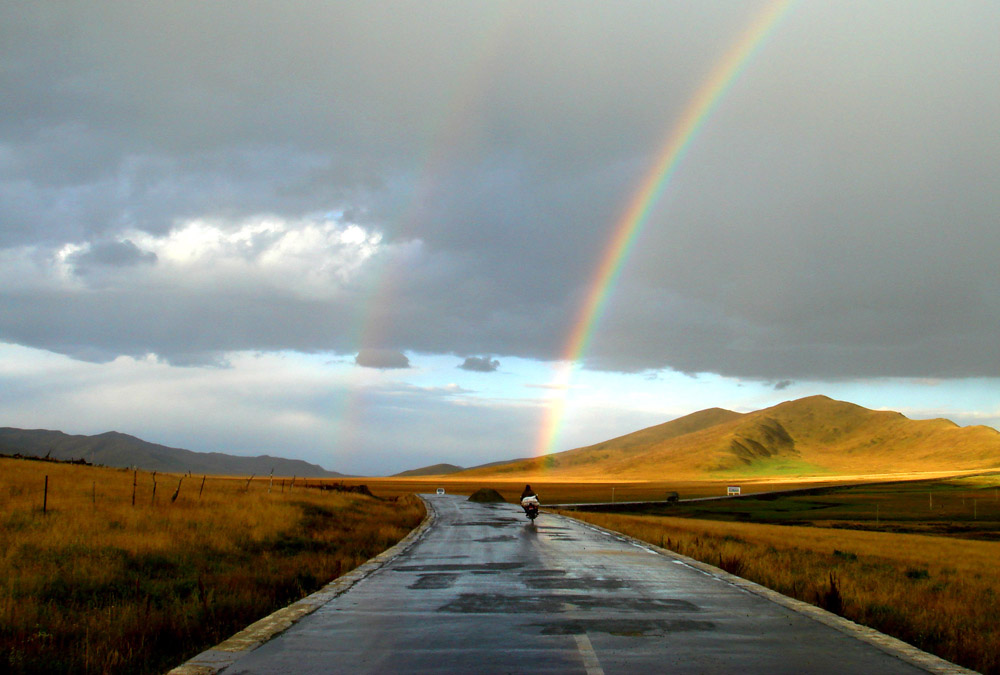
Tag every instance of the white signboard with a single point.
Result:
(732, 491)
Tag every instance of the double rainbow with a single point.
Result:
(679, 139)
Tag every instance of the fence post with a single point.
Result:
(152, 499)
(135, 474)
(45, 497)
(202, 486)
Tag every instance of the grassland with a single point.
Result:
(575, 491)
(90, 583)
(854, 552)
(967, 507)
(97, 585)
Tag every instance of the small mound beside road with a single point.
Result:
(486, 496)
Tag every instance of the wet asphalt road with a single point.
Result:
(485, 591)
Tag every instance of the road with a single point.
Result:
(485, 591)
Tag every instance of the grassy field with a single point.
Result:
(90, 583)
(967, 507)
(858, 556)
(562, 491)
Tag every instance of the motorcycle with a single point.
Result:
(530, 506)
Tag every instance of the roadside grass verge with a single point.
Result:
(936, 593)
(93, 584)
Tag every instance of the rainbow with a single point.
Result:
(679, 139)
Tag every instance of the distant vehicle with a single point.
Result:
(440, 491)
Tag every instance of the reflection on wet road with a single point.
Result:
(486, 591)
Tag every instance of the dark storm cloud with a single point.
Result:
(480, 364)
(834, 217)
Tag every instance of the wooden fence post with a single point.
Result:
(153, 498)
(202, 486)
(45, 497)
(135, 474)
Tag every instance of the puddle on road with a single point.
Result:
(489, 540)
(434, 581)
(571, 584)
(542, 573)
(496, 603)
(460, 567)
(624, 627)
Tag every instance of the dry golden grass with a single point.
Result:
(937, 593)
(97, 585)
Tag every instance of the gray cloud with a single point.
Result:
(382, 358)
(480, 364)
(110, 254)
(834, 217)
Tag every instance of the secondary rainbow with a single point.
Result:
(629, 226)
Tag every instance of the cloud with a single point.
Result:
(480, 364)
(104, 254)
(382, 358)
(835, 216)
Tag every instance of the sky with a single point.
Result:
(381, 235)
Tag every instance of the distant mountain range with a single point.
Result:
(121, 450)
(812, 436)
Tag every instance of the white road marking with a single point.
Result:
(590, 662)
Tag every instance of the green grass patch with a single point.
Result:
(786, 467)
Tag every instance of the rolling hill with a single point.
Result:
(813, 436)
(433, 470)
(121, 450)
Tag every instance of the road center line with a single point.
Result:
(590, 662)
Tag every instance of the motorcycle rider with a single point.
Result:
(528, 496)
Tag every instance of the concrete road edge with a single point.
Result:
(224, 654)
(886, 643)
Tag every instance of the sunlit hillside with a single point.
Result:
(812, 436)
